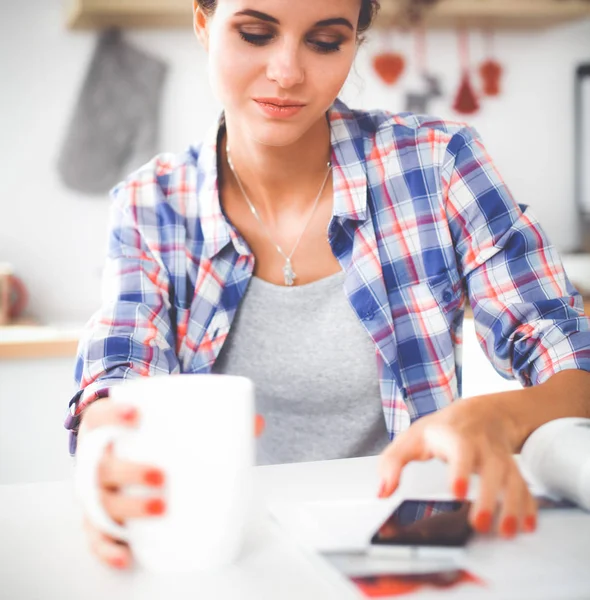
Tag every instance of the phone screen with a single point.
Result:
(426, 523)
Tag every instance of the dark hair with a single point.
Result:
(369, 9)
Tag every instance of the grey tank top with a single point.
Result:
(314, 368)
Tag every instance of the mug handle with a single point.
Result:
(88, 456)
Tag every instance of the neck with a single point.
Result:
(267, 172)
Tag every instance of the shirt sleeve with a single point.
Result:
(528, 317)
(131, 334)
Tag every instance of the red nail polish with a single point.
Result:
(154, 477)
(259, 425)
(461, 486)
(129, 414)
(509, 526)
(530, 523)
(119, 562)
(155, 506)
(483, 521)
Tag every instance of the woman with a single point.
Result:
(293, 198)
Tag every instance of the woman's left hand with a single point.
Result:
(472, 436)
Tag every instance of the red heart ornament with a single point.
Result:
(389, 66)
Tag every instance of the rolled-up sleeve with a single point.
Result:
(529, 318)
(131, 334)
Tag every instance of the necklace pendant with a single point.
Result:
(289, 273)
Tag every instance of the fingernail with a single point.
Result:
(530, 523)
(154, 477)
(129, 414)
(483, 521)
(509, 526)
(461, 485)
(155, 506)
(259, 425)
(119, 562)
(382, 490)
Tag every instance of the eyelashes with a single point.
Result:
(263, 40)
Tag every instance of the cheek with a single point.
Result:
(231, 70)
(331, 74)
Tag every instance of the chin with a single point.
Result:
(281, 133)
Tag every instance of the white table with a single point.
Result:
(43, 551)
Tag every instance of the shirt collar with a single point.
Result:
(348, 172)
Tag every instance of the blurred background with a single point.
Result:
(83, 104)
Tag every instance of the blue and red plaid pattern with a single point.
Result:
(421, 221)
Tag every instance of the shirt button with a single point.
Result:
(447, 296)
(369, 315)
(339, 248)
(404, 393)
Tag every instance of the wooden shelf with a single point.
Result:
(500, 14)
(27, 341)
(497, 14)
(129, 14)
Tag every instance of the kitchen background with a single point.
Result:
(53, 237)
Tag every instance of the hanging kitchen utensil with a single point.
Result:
(115, 123)
(466, 101)
(428, 86)
(490, 70)
(389, 65)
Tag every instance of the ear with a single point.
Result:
(201, 25)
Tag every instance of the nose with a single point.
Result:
(285, 65)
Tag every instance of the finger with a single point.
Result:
(395, 457)
(259, 425)
(530, 515)
(492, 475)
(461, 465)
(107, 549)
(105, 412)
(114, 472)
(121, 507)
(460, 456)
(513, 502)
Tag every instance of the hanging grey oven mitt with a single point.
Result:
(115, 123)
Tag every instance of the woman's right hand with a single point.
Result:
(113, 474)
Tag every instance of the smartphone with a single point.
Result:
(424, 528)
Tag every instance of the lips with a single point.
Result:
(281, 103)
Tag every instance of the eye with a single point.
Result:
(326, 47)
(255, 39)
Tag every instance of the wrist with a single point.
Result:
(565, 394)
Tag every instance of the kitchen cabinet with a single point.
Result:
(517, 14)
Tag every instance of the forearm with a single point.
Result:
(565, 394)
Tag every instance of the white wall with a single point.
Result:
(55, 238)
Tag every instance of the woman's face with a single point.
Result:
(295, 51)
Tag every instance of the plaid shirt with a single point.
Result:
(421, 221)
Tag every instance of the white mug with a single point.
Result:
(199, 430)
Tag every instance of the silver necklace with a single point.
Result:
(288, 272)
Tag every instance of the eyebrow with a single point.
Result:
(264, 17)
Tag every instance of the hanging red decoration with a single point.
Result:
(491, 70)
(388, 64)
(466, 101)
